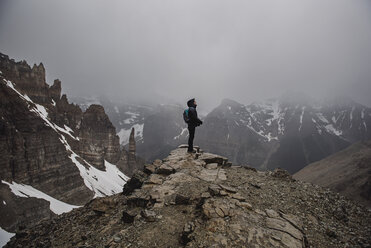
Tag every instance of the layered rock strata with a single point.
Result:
(200, 200)
(51, 147)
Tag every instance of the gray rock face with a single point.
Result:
(98, 139)
(31, 152)
(196, 206)
(39, 129)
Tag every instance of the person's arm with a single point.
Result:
(197, 120)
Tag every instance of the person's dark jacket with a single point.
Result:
(192, 114)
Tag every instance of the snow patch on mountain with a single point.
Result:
(132, 118)
(363, 119)
(5, 237)
(184, 130)
(301, 117)
(331, 129)
(268, 136)
(124, 134)
(23, 190)
(322, 118)
(102, 183)
(265, 116)
(334, 120)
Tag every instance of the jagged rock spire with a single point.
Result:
(132, 142)
(131, 157)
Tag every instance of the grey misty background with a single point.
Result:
(169, 51)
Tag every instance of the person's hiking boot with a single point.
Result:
(191, 151)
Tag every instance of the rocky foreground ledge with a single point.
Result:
(201, 200)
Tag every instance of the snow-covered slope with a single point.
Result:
(5, 237)
(22, 190)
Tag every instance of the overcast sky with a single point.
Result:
(173, 50)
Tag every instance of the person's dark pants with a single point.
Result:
(191, 131)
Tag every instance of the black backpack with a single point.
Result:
(186, 115)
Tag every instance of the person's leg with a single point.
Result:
(191, 131)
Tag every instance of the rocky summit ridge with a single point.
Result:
(201, 200)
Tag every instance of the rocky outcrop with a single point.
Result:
(132, 143)
(98, 139)
(200, 200)
(27, 79)
(133, 161)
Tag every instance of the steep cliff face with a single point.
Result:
(31, 150)
(199, 200)
(98, 139)
(51, 148)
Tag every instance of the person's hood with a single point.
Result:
(190, 103)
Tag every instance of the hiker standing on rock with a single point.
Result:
(190, 117)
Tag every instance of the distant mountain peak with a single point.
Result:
(227, 101)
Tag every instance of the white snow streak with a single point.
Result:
(23, 190)
(268, 136)
(181, 133)
(102, 183)
(317, 126)
(40, 111)
(333, 119)
(330, 128)
(363, 119)
(322, 118)
(277, 115)
(5, 237)
(301, 117)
